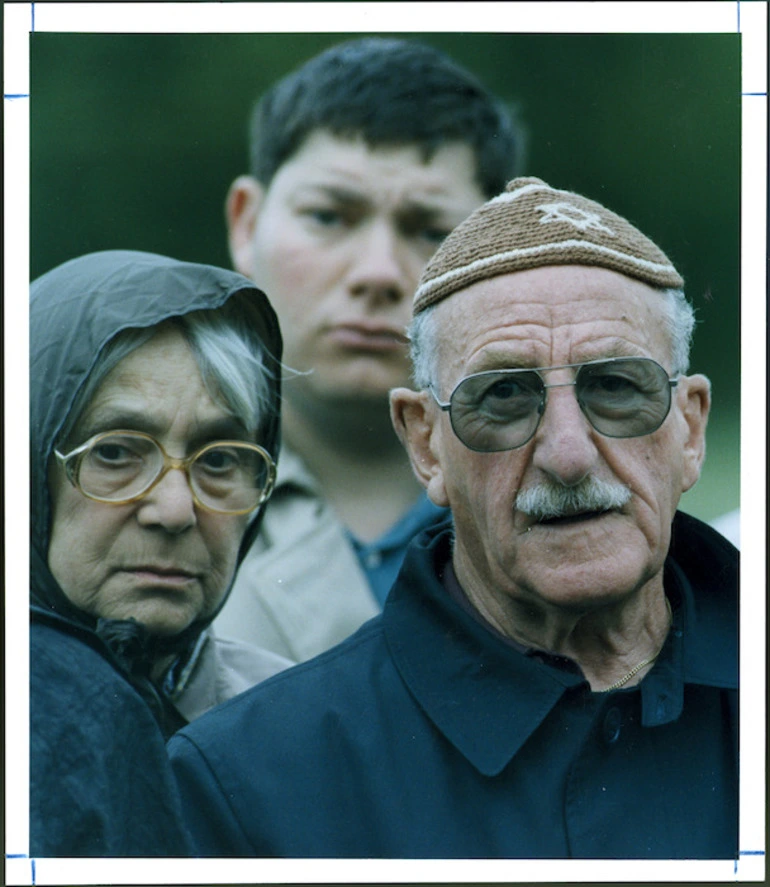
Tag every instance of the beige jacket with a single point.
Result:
(220, 669)
(300, 588)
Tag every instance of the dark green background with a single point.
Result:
(135, 139)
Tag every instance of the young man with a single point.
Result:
(362, 161)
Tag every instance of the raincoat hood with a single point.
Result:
(75, 310)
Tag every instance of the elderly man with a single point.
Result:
(553, 675)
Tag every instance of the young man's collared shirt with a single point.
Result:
(424, 735)
(218, 669)
(306, 584)
(381, 560)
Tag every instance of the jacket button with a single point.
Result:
(612, 724)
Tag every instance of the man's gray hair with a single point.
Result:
(679, 318)
(229, 356)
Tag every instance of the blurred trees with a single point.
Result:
(135, 139)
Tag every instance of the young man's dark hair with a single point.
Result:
(390, 92)
(362, 161)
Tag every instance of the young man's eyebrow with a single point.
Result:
(421, 213)
(339, 193)
(426, 206)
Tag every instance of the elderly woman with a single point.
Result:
(154, 404)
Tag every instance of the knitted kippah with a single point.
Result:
(531, 225)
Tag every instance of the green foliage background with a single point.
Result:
(135, 139)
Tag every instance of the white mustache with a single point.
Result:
(550, 500)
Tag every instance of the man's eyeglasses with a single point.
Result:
(501, 409)
(119, 467)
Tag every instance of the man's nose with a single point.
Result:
(169, 504)
(381, 268)
(564, 444)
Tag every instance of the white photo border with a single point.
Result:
(747, 18)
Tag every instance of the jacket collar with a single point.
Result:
(466, 679)
(294, 474)
(462, 676)
(705, 567)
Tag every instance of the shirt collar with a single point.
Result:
(703, 568)
(462, 676)
(293, 473)
(465, 677)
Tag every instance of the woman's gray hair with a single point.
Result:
(231, 360)
(679, 318)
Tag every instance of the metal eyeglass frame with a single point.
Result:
(447, 407)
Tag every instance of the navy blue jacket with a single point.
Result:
(100, 784)
(425, 735)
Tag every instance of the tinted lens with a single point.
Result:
(624, 398)
(231, 477)
(497, 410)
(119, 466)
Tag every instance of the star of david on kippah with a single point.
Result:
(573, 215)
(515, 232)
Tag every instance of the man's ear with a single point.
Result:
(242, 206)
(414, 419)
(694, 394)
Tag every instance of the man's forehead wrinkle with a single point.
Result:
(532, 343)
(546, 335)
(497, 345)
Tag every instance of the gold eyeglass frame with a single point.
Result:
(71, 462)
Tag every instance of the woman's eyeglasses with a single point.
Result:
(119, 467)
